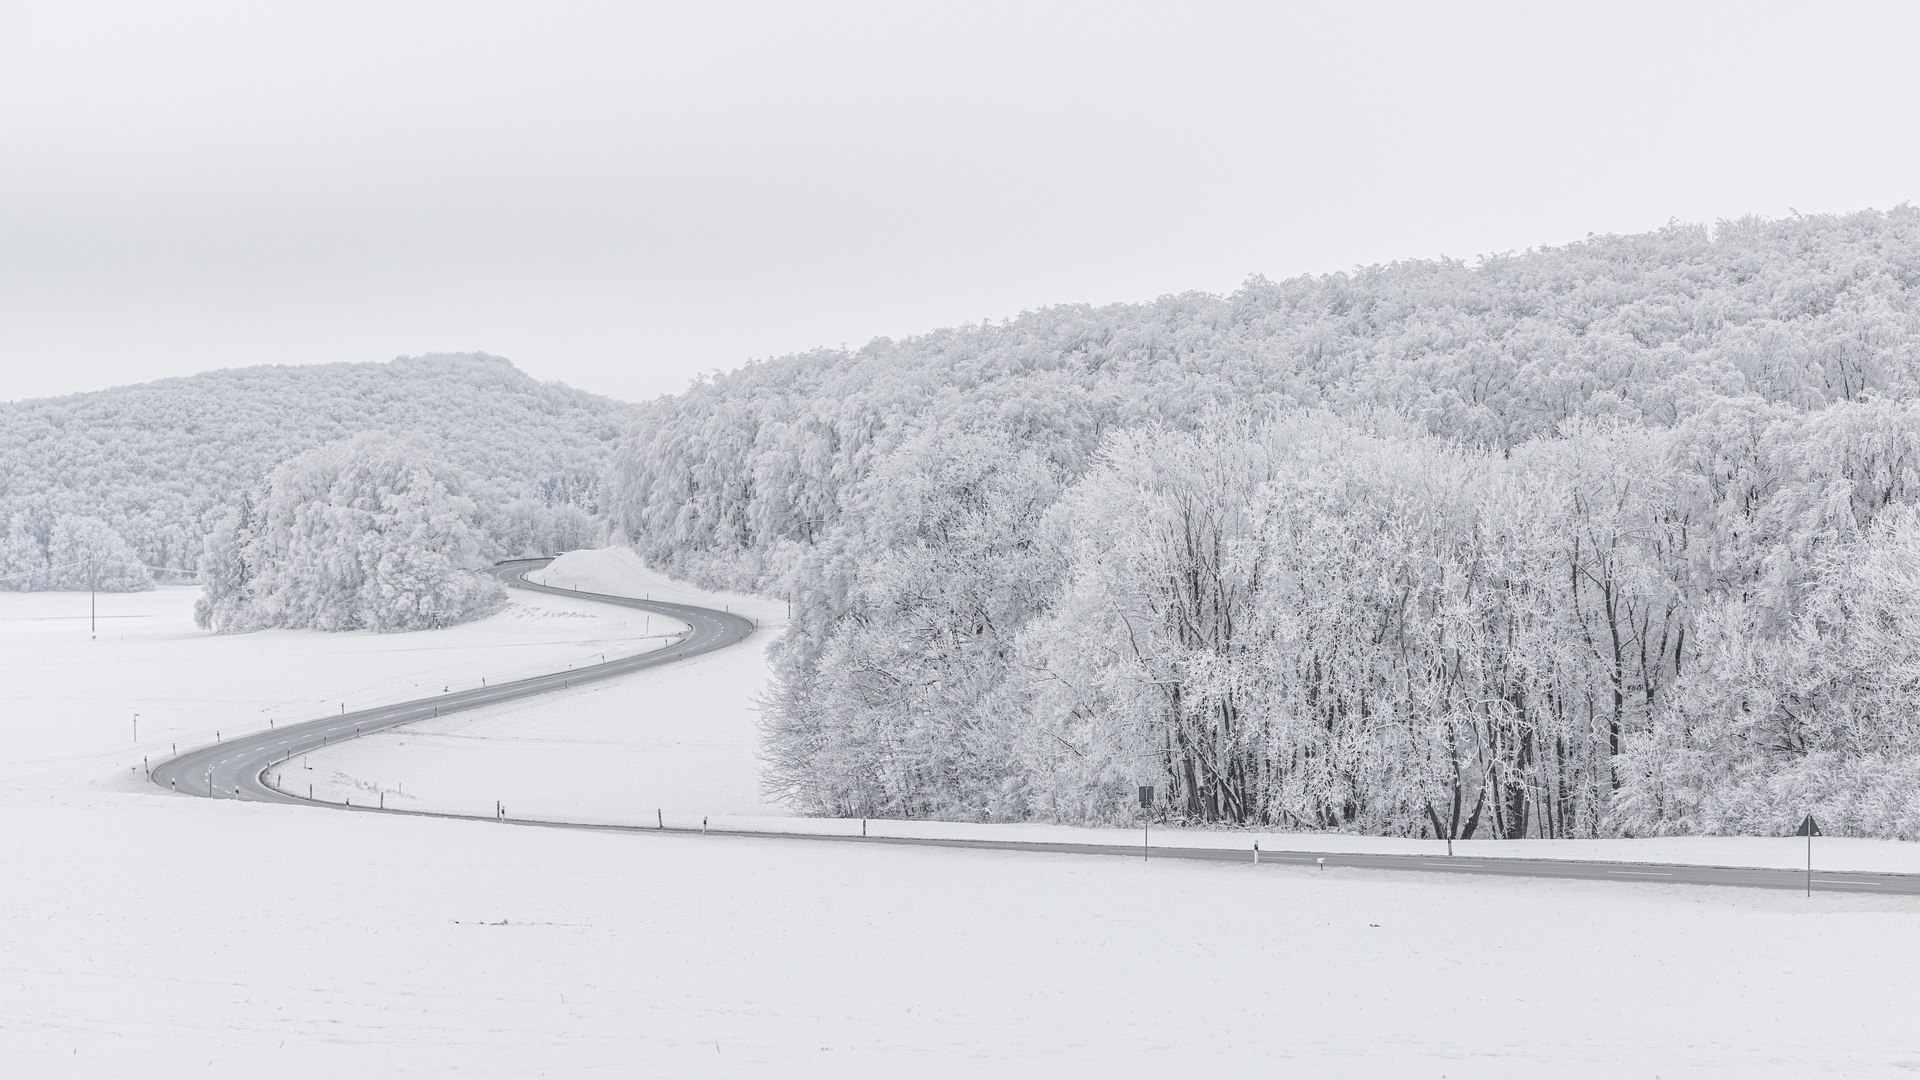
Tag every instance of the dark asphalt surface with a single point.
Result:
(232, 770)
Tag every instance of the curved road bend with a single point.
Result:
(233, 770)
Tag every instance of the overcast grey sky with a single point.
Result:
(622, 196)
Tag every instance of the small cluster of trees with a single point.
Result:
(372, 533)
(68, 551)
(1618, 537)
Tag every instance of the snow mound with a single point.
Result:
(618, 571)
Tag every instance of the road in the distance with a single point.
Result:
(232, 770)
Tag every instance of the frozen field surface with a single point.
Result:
(71, 699)
(152, 934)
(681, 740)
(175, 936)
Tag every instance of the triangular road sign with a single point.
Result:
(1809, 828)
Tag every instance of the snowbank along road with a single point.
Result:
(233, 770)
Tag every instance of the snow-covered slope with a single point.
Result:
(160, 460)
(620, 572)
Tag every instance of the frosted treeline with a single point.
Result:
(372, 533)
(160, 462)
(1613, 538)
(70, 551)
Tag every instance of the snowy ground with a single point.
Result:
(185, 936)
(681, 740)
(1785, 853)
(72, 698)
(156, 934)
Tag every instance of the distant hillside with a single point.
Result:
(158, 461)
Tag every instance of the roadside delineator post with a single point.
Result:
(1146, 808)
(1809, 829)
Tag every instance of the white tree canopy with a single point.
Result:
(371, 533)
(1609, 538)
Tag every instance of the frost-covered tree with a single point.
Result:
(1589, 540)
(894, 701)
(23, 555)
(84, 552)
(526, 528)
(71, 552)
(372, 533)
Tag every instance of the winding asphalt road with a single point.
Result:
(233, 770)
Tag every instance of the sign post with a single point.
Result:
(1809, 829)
(1146, 806)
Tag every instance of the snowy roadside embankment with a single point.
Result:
(619, 572)
(1778, 853)
(682, 740)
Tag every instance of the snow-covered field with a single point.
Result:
(680, 741)
(164, 935)
(71, 699)
(176, 936)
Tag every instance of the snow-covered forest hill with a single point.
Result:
(1618, 537)
(161, 463)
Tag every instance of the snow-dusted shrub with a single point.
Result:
(372, 533)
